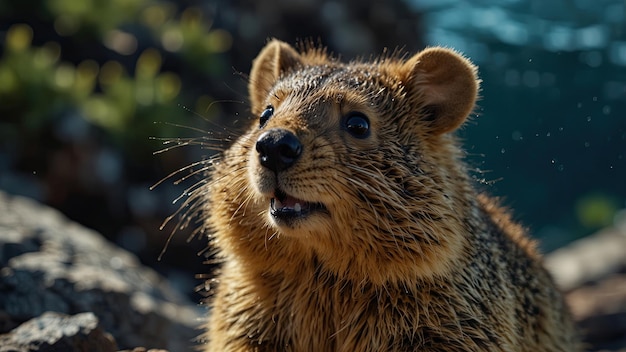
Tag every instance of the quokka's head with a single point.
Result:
(353, 156)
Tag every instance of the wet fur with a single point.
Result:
(409, 257)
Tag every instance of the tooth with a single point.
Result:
(297, 207)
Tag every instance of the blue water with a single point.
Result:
(550, 25)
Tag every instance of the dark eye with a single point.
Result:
(265, 115)
(357, 124)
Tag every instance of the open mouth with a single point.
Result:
(286, 208)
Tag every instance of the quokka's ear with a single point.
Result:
(274, 59)
(445, 84)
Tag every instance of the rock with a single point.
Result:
(52, 264)
(51, 332)
(600, 309)
(589, 259)
(592, 272)
(352, 27)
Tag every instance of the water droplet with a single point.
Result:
(502, 150)
(552, 161)
(588, 118)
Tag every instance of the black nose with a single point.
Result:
(278, 149)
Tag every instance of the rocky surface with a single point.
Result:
(592, 271)
(353, 28)
(50, 264)
(59, 332)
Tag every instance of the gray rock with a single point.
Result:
(52, 332)
(592, 272)
(49, 263)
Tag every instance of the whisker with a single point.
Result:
(193, 173)
(216, 144)
(180, 210)
(174, 173)
(198, 230)
(188, 192)
(242, 205)
(191, 128)
(195, 196)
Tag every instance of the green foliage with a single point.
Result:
(597, 210)
(124, 97)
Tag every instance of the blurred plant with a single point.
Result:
(83, 87)
(597, 210)
(124, 97)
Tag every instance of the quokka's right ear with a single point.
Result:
(445, 84)
(275, 58)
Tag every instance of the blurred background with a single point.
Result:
(90, 90)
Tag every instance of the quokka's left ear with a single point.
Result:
(445, 84)
(275, 58)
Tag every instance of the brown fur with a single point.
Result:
(408, 256)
